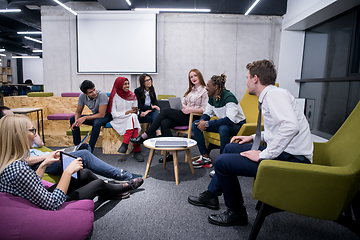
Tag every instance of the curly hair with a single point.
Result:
(220, 82)
(264, 69)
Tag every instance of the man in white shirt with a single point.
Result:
(287, 136)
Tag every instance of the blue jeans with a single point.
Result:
(231, 164)
(96, 165)
(225, 132)
(96, 126)
(149, 118)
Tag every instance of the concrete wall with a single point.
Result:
(213, 43)
(33, 69)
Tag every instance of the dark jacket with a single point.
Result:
(141, 101)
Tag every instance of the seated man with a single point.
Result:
(90, 161)
(286, 133)
(97, 102)
(231, 117)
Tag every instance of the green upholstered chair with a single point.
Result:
(165, 97)
(40, 94)
(83, 130)
(49, 177)
(325, 189)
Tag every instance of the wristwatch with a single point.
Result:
(207, 124)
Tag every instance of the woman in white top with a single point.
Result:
(123, 108)
(194, 101)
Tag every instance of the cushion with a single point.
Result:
(60, 116)
(70, 94)
(108, 94)
(83, 131)
(40, 94)
(20, 219)
(108, 125)
(181, 128)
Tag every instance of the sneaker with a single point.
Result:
(212, 173)
(202, 162)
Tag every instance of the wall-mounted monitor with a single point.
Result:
(116, 42)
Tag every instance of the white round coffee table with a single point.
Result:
(150, 143)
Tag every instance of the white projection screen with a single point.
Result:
(116, 42)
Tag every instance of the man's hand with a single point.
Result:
(78, 122)
(201, 125)
(242, 139)
(253, 155)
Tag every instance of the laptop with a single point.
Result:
(163, 104)
(65, 160)
(75, 148)
(175, 103)
(171, 144)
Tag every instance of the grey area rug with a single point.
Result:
(159, 208)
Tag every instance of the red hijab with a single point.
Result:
(118, 88)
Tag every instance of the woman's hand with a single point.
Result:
(186, 109)
(51, 158)
(156, 107)
(74, 166)
(143, 114)
(242, 139)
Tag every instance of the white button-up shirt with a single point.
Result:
(285, 126)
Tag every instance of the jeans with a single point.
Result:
(225, 132)
(231, 164)
(149, 118)
(96, 123)
(93, 163)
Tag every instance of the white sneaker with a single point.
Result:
(212, 173)
(202, 162)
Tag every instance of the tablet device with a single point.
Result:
(65, 160)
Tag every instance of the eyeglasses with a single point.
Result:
(147, 80)
(33, 130)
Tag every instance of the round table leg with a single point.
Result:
(151, 155)
(176, 169)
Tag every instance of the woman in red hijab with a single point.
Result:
(123, 108)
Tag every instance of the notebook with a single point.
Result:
(171, 144)
(65, 160)
(75, 148)
(175, 103)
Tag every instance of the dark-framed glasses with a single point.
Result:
(146, 80)
(33, 130)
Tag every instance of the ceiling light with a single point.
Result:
(33, 39)
(9, 10)
(3, 55)
(173, 9)
(25, 56)
(64, 6)
(252, 6)
(2, 49)
(128, 2)
(38, 32)
(37, 50)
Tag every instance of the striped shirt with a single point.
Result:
(197, 98)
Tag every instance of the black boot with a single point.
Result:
(169, 158)
(137, 140)
(205, 199)
(123, 148)
(230, 217)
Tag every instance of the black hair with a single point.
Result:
(85, 85)
(220, 82)
(142, 86)
(2, 108)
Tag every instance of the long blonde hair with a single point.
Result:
(14, 141)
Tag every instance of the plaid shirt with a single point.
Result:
(20, 180)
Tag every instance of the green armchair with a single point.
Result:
(325, 189)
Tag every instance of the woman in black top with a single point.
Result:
(147, 103)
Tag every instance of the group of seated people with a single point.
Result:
(286, 134)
